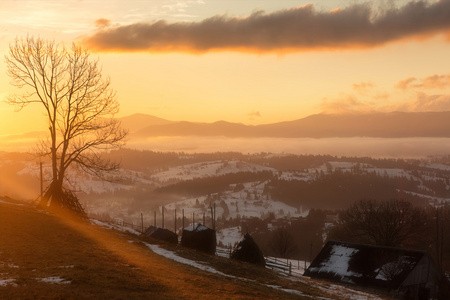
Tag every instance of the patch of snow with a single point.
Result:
(12, 203)
(229, 236)
(199, 227)
(205, 169)
(171, 255)
(338, 262)
(67, 267)
(54, 280)
(439, 166)
(7, 282)
(287, 290)
(114, 226)
(8, 265)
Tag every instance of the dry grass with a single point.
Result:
(98, 263)
(105, 264)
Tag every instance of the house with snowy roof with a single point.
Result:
(400, 272)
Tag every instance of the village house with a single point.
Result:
(408, 274)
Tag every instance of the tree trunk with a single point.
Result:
(56, 198)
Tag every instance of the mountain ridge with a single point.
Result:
(379, 125)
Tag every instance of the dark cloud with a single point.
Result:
(296, 29)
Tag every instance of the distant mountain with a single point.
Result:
(383, 125)
(138, 121)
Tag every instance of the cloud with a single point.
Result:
(430, 82)
(363, 87)
(254, 114)
(425, 102)
(295, 29)
(406, 83)
(422, 103)
(345, 104)
(101, 23)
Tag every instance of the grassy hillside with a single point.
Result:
(43, 256)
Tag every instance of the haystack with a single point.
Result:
(247, 250)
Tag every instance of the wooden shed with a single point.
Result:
(410, 274)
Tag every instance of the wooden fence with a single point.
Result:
(288, 267)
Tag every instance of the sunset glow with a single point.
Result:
(247, 62)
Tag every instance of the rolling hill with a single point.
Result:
(379, 125)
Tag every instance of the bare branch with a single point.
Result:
(77, 100)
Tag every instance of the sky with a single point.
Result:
(248, 61)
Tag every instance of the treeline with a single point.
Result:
(299, 239)
(293, 162)
(141, 160)
(290, 162)
(339, 189)
(214, 184)
(148, 161)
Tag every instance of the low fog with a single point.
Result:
(373, 147)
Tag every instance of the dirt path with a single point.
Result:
(42, 256)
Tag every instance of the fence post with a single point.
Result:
(290, 268)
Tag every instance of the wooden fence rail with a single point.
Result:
(276, 264)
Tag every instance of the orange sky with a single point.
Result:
(246, 61)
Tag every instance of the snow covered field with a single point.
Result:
(250, 201)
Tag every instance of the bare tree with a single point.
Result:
(78, 103)
(283, 243)
(386, 223)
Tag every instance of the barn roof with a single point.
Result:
(199, 227)
(365, 265)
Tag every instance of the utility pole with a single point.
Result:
(438, 245)
(214, 220)
(183, 217)
(42, 180)
(212, 216)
